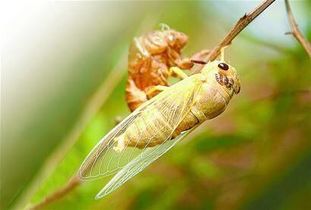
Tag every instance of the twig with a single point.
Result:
(72, 184)
(295, 30)
(237, 28)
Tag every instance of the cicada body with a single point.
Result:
(158, 124)
(150, 58)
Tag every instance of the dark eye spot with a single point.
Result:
(223, 66)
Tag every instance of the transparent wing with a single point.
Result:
(138, 164)
(160, 116)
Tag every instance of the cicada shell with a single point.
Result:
(158, 124)
(150, 57)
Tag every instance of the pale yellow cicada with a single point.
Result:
(158, 124)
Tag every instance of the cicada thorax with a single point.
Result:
(150, 58)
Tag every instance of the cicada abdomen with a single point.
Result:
(150, 58)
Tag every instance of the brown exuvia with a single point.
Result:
(150, 58)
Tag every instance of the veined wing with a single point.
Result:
(138, 164)
(159, 116)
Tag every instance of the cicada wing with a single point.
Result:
(159, 116)
(138, 164)
(92, 165)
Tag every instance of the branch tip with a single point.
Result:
(295, 30)
(242, 23)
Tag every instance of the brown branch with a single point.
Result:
(295, 30)
(72, 184)
(237, 28)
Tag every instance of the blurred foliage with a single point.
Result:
(256, 155)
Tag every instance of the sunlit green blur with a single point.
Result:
(255, 156)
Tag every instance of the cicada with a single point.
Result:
(159, 123)
(150, 58)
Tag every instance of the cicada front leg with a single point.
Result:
(184, 63)
(173, 71)
(187, 63)
(199, 58)
(177, 72)
(222, 52)
(155, 90)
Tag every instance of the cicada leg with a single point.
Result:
(187, 63)
(173, 71)
(155, 90)
(184, 63)
(177, 72)
(222, 52)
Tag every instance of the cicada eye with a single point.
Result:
(223, 66)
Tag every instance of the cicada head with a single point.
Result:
(224, 74)
(175, 39)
